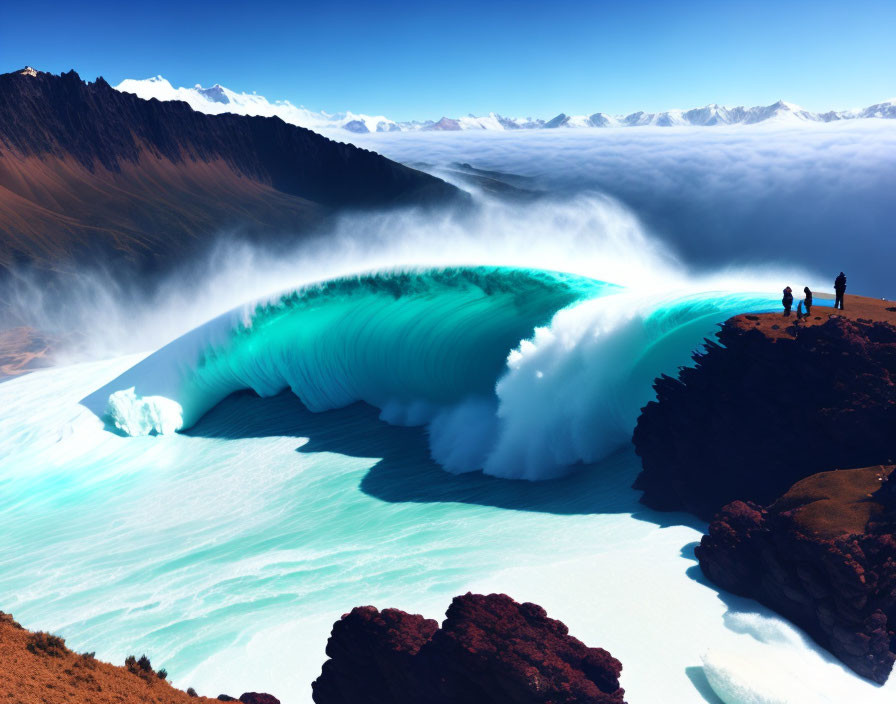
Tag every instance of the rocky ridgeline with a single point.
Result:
(91, 175)
(96, 125)
(489, 650)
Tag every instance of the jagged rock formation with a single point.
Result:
(489, 650)
(92, 174)
(824, 556)
(769, 403)
(38, 668)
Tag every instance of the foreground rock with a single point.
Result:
(769, 403)
(824, 556)
(38, 668)
(489, 650)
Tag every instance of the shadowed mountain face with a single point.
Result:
(90, 174)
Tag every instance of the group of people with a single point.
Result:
(839, 290)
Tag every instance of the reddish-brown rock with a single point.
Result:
(824, 556)
(372, 653)
(489, 650)
(258, 698)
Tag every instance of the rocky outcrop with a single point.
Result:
(258, 698)
(89, 174)
(489, 650)
(770, 402)
(250, 698)
(824, 556)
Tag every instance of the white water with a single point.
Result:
(227, 560)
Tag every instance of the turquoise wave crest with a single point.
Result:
(523, 373)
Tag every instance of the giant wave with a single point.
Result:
(521, 373)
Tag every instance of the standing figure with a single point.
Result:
(839, 289)
(787, 300)
(808, 301)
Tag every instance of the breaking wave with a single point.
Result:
(519, 372)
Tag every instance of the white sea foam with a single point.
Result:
(141, 415)
(228, 560)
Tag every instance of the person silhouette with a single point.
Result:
(840, 290)
(807, 302)
(787, 300)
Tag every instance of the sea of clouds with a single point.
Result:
(816, 196)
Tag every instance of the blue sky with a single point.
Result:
(425, 60)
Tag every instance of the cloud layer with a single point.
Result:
(817, 197)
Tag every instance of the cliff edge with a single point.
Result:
(769, 402)
(785, 431)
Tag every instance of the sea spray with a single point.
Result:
(92, 315)
(573, 392)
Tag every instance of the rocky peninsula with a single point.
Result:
(783, 434)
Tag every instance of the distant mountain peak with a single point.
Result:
(218, 99)
(27, 71)
(217, 93)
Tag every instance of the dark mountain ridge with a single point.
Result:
(90, 174)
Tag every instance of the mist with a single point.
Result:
(750, 209)
(98, 316)
(818, 196)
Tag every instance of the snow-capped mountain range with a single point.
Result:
(218, 99)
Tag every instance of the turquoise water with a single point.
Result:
(311, 478)
(518, 372)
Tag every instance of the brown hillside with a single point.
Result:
(37, 668)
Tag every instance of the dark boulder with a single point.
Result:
(489, 650)
(258, 698)
(372, 656)
(763, 408)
